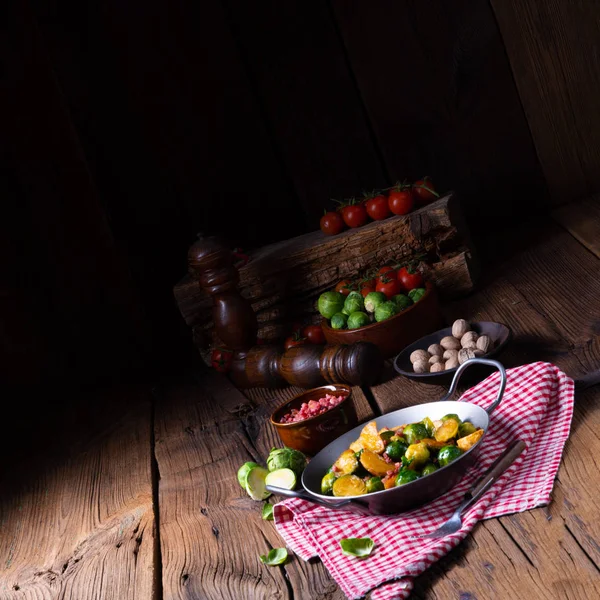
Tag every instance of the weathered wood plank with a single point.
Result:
(582, 221)
(211, 532)
(79, 524)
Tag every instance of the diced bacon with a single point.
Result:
(312, 408)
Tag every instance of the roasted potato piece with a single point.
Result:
(447, 430)
(356, 446)
(370, 438)
(374, 463)
(431, 443)
(470, 440)
(347, 463)
(349, 485)
(389, 481)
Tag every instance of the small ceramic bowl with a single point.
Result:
(498, 333)
(313, 434)
(391, 335)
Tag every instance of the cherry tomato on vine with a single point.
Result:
(377, 208)
(389, 286)
(221, 359)
(400, 200)
(314, 334)
(294, 340)
(366, 289)
(423, 191)
(332, 223)
(354, 215)
(345, 286)
(410, 278)
(387, 272)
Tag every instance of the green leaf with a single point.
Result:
(276, 556)
(267, 512)
(359, 547)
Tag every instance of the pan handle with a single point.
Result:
(304, 495)
(481, 361)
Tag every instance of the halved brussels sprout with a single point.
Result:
(429, 426)
(447, 454)
(417, 454)
(451, 416)
(349, 485)
(415, 432)
(327, 483)
(447, 430)
(465, 429)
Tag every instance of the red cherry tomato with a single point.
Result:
(401, 201)
(293, 341)
(221, 359)
(389, 286)
(344, 287)
(366, 289)
(354, 215)
(388, 272)
(410, 278)
(377, 208)
(314, 334)
(423, 191)
(332, 223)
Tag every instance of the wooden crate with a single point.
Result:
(284, 280)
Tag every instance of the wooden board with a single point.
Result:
(552, 47)
(211, 532)
(76, 516)
(283, 280)
(582, 221)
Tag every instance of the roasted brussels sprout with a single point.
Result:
(330, 303)
(374, 485)
(417, 454)
(406, 476)
(396, 450)
(339, 320)
(451, 416)
(327, 483)
(358, 319)
(354, 303)
(447, 430)
(414, 432)
(465, 429)
(428, 468)
(429, 426)
(349, 485)
(447, 454)
(347, 463)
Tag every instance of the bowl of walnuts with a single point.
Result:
(435, 357)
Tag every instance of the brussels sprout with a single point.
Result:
(402, 301)
(330, 303)
(396, 450)
(446, 431)
(373, 300)
(242, 474)
(451, 416)
(428, 468)
(417, 453)
(406, 476)
(465, 429)
(428, 425)
(387, 434)
(358, 319)
(354, 303)
(374, 485)
(286, 458)
(339, 320)
(327, 483)
(416, 294)
(385, 311)
(415, 432)
(447, 454)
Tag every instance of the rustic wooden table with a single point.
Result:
(146, 505)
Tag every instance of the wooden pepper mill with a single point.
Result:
(211, 263)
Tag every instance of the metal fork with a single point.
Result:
(454, 523)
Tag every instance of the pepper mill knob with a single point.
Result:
(210, 261)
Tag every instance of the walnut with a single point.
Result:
(435, 350)
(484, 343)
(419, 355)
(435, 359)
(469, 338)
(470, 346)
(421, 366)
(450, 354)
(478, 353)
(459, 328)
(437, 367)
(464, 355)
(450, 343)
(452, 363)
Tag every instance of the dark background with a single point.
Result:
(127, 127)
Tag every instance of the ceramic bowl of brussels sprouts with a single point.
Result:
(389, 324)
(402, 459)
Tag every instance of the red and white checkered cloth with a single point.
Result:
(537, 407)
